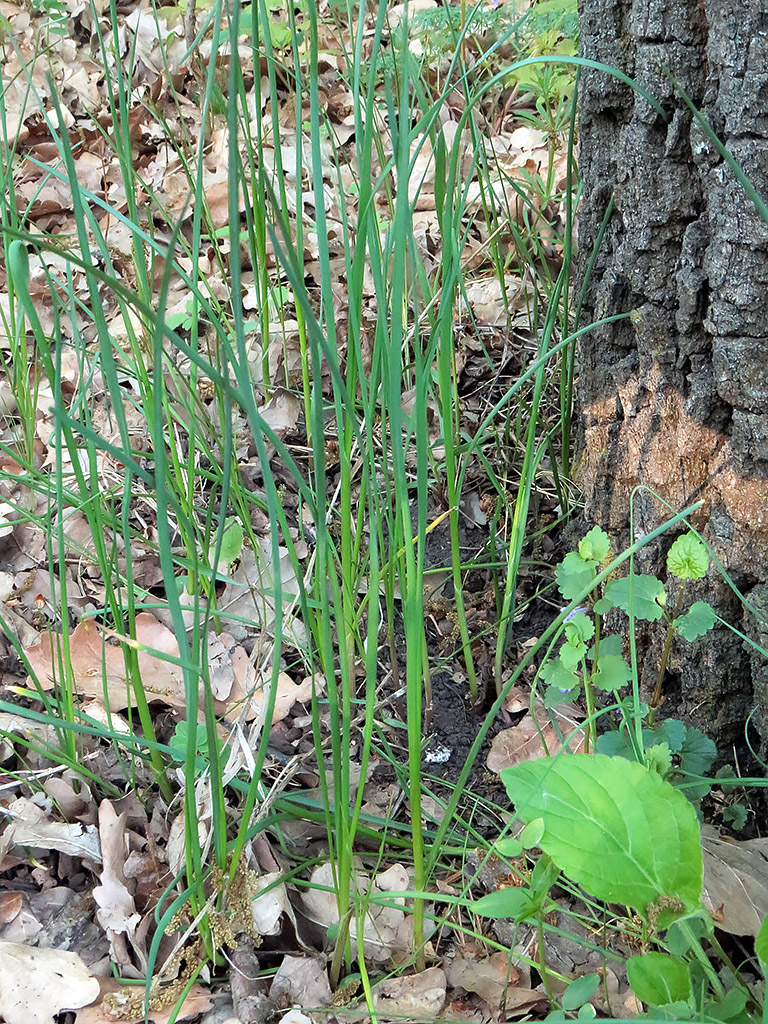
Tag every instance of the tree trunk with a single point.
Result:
(676, 396)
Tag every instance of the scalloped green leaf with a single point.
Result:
(649, 596)
(612, 672)
(557, 674)
(612, 644)
(595, 546)
(579, 627)
(688, 559)
(573, 576)
(621, 832)
(697, 621)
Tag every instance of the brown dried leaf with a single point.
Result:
(301, 981)
(98, 667)
(735, 881)
(413, 997)
(198, 1001)
(532, 738)
(117, 911)
(491, 977)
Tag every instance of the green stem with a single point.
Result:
(665, 658)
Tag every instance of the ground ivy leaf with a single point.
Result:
(556, 674)
(573, 576)
(615, 744)
(554, 696)
(698, 752)
(595, 546)
(572, 653)
(612, 672)
(648, 596)
(580, 627)
(612, 644)
(697, 621)
(671, 731)
(688, 559)
(622, 832)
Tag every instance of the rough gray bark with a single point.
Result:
(677, 396)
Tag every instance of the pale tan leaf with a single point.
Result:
(301, 981)
(491, 977)
(32, 826)
(198, 1000)
(117, 911)
(37, 983)
(98, 667)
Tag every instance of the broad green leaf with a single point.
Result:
(515, 902)
(688, 559)
(580, 991)
(231, 541)
(659, 979)
(730, 1007)
(544, 875)
(621, 832)
(595, 546)
(761, 946)
(648, 596)
(678, 940)
(573, 576)
(612, 672)
(697, 621)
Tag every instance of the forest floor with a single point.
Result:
(200, 488)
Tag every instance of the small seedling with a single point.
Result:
(595, 662)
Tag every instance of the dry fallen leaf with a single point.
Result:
(388, 930)
(491, 977)
(98, 667)
(197, 1001)
(117, 911)
(416, 997)
(248, 599)
(31, 826)
(37, 983)
(735, 881)
(533, 737)
(301, 981)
